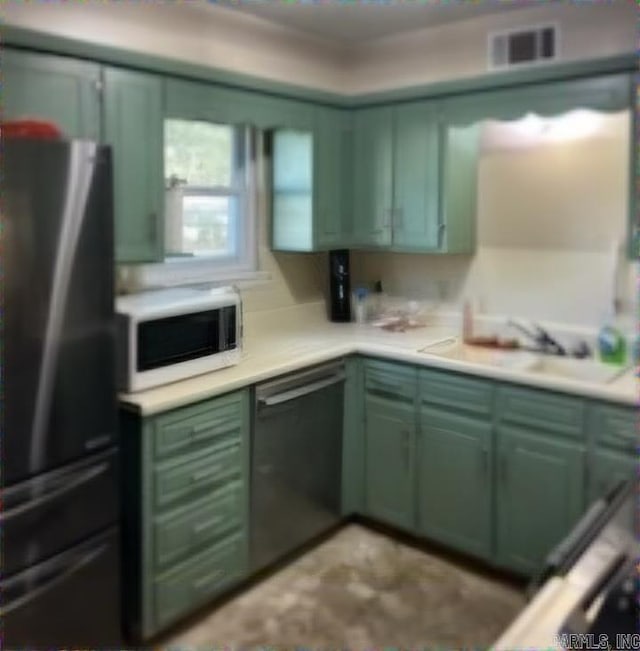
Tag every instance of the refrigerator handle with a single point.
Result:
(83, 478)
(67, 569)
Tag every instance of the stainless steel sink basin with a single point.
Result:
(581, 370)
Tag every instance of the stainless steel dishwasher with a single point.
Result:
(296, 459)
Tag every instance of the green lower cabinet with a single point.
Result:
(185, 509)
(133, 126)
(455, 481)
(390, 433)
(539, 495)
(607, 469)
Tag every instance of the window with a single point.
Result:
(208, 212)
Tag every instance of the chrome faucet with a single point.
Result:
(542, 340)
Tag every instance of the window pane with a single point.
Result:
(200, 153)
(208, 226)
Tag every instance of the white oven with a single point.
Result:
(173, 334)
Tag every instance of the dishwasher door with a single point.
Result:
(296, 461)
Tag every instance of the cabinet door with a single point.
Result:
(330, 195)
(539, 495)
(292, 190)
(459, 186)
(373, 177)
(134, 128)
(64, 91)
(607, 469)
(389, 461)
(455, 480)
(416, 159)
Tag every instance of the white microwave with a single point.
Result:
(172, 334)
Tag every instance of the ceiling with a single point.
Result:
(350, 21)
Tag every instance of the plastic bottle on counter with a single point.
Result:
(360, 304)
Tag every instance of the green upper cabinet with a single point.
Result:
(134, 128)
(455, 480)
(599, 93)
(540, 495)
(332, 198)
(372, 177)
(458, 188)
(414, 180)
(193, 100)
(415, 190)
(308, 188)
(390, 432)
(62, 90)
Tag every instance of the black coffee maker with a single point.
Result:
(339, 286)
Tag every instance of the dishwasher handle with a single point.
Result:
(298, 392)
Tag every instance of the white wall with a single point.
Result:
(195, 32)
(459, 50)
(550, 218)
(203, 33)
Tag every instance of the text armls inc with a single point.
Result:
(575, 641)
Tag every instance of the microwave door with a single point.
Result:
(181, 338)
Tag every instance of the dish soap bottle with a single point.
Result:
(612, 344)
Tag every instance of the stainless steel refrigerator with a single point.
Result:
(60, 581)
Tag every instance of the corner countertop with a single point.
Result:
(288, 340)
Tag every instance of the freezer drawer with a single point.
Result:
(70, 600)
(50, 513)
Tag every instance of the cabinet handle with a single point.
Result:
(485, 459)
(207, 579)
(207, 524)
(206, 474)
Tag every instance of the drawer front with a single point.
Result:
(179, 533)
(615, 427)
(391, 380)
(176, 481)
(542, 410)
(190, 584)
(190, 427)
(456, 391)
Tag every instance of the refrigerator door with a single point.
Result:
(47, 514)
(69, 601)
(58, 338)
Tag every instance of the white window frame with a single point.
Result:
(178, 270)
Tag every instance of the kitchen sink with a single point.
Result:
(583, 370)
(511, 359)
(570, 368)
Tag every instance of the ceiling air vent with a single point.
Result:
(524, 46)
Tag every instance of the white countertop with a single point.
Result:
(288, 340)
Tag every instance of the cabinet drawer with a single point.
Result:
(190, 427)
(191, 583)
(181, 532)
(390, 379)
(615, 427)
(457, 391)
(176, 481)
(541, 410)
